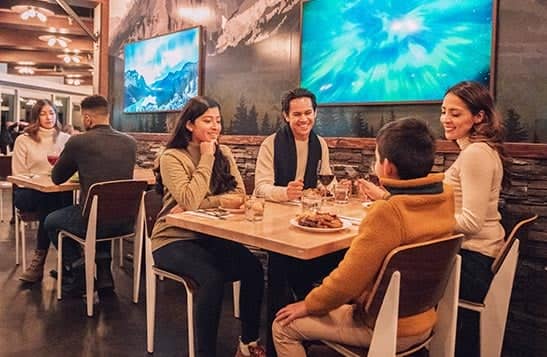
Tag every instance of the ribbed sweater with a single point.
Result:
(476, 177)
(186, 177)
(30, 156)
(404, 218)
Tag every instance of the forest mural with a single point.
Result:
(252, 52)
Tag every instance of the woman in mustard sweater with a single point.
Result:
(194, 172)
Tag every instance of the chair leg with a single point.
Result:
(17, 236)
(89, 258)
(121, 252)
(150, 310)
(190, 309)
(59, 266)
(23, 246)
(137, 266)
(236, 286)
(1, 205)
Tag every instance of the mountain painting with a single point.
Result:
(376, 51)
(162, 73)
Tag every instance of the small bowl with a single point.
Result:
(232, 201)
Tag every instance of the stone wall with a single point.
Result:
(527, 326)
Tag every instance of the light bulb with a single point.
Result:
(66, 59)
(41, 16)
(75, 59)
(51, 42)
(62, 42)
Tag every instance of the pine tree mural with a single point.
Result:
(240, 118)
(267, 127)
(514, 131)
(252, 122)
(363, 129)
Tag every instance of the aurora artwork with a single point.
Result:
(377, 51)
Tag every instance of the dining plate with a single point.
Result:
(345, 224)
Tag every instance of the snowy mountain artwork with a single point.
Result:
(162, 73)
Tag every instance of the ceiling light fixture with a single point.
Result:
(28, 12)
(25, 70)
(74, 82)
(53, 40)
(68, 58)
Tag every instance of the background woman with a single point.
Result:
(194, 172)
(30, 153)
(468, 117)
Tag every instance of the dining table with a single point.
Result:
(43, 183)
(281, 236)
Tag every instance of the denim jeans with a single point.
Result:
(71, 220)
(475, 280)
(42, 203)
(211, 262)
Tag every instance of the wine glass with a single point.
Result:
(325, 176)
(53, 156)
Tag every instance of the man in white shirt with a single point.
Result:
(287, 160)
(286, 165)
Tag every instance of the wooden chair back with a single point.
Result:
(152, 206)
(425, 270)
(118, 201)
(500, 258)
(5, 166)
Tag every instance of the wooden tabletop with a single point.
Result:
(43, 183)
(275, 233)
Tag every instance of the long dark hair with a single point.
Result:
(221, 179)
(34, 127)
(490, 130)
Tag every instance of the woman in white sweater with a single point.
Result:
(30, 152)
(468, 117)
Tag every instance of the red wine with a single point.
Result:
(325, 179)
(52, 159)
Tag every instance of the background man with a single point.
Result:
(100, 154)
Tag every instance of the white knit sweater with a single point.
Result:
(30, 156)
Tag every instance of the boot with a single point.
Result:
(35, 271)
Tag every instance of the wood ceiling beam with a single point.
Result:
(14, 39)
(61, 24)
(41, 57)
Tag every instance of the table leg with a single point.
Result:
(277, 294)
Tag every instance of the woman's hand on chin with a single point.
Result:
(207, 147)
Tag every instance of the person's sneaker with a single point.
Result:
(35, 271)
(254, 349)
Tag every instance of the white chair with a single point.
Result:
(22, 218)
(153, 204)
(413, 279)
(493, 311)
(109, 202)
(5, 186)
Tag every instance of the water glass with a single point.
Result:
(254, 208)
(311, 202)
(341, 193)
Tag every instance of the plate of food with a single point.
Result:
(320, 222)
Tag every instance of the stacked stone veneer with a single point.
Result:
(526, 333)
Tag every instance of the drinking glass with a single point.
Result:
(254, 208)
(341, 193)
(311, 201)
(324, 176)
(52, 156)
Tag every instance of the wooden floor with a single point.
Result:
(34, 323)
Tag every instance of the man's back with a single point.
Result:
(100, 154)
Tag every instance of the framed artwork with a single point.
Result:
(386, 52)
(162, 73)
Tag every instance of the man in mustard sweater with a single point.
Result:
(417, 208)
